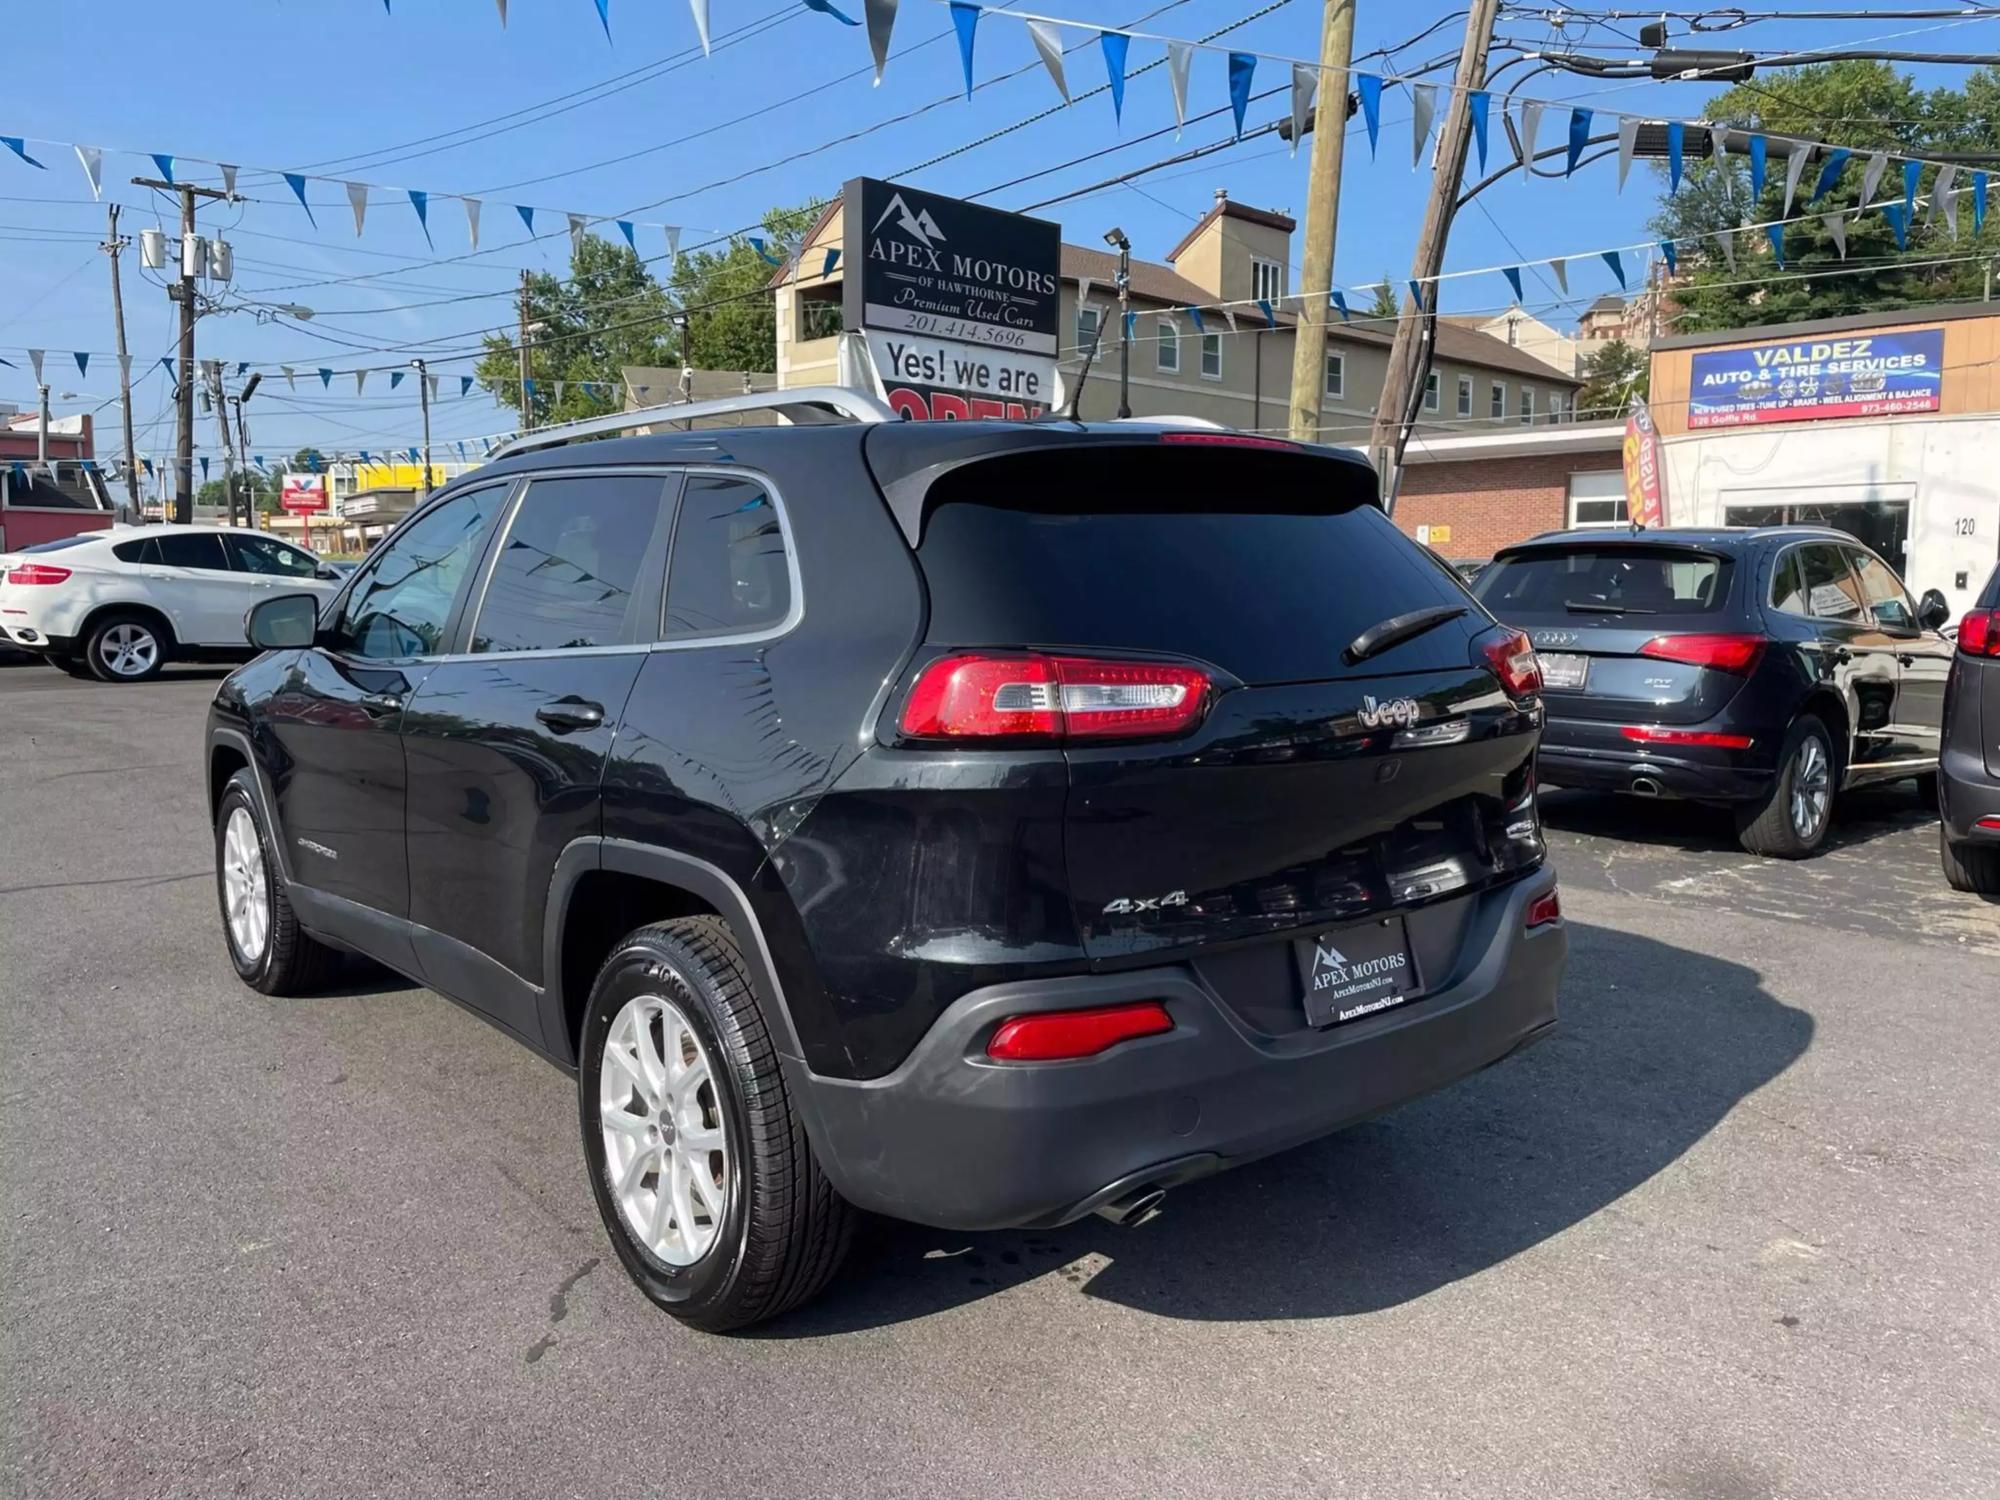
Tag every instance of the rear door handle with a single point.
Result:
(1904, 659)
(568, 715)
(381, 703)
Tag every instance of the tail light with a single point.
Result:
(976, 696)
(1544, 909)
(1511, 655)
(1227, 440)
(31, 573)
(1653, 734)
(1979, 633)
(1056, 1035)
(1726, 653)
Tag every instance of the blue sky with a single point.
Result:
(340, 88)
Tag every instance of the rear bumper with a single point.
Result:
(1596, 757)
(1966, 794)
(27, 638)
(955, 1140)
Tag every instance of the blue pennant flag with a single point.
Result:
(1513, 275)
(832, 260)
(204, 468)
(1830, 173)
(365, 458)
(1270, 317)
(1241, 66)
(1776, 234)
(527, 216)
(326, 377)
(1369, 87)
(147, 465)
(1759, 152)
(1194, 313)
(1115, 44)
(1480, 103)
(1676, 141)
(1899, 221)
(89, 465)
(9, 364)
(413, 456)
(1417, 294)
(421, 202)
(395, 379)
(1617, 266)
(1131, 318)
(1912, 171)
(461, 450)
(297, 184)
(19, 146)
(1978, 201)
(827, 10)
(603, 14)
(242, 368)
(1339, 299)
(166, 165)
(764, 250)
(528, 388)
(464, 385)
(1667, 254)
(21, 474)
(625, 228)
(82, 362)
(166, 364)
(1579, 136)
(965, 19)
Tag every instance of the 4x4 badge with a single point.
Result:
(1124, 904)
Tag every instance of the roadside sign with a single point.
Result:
(1645, 488)
(303, 494)
(1811, 380)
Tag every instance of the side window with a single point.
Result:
(399, 604)
(568, 574)
(193, 549)
(1788, 589)
(146, 552)
(1881, 593)
(729, 573)
(1831, 592)
(262, 554)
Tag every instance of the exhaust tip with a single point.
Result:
(1645, 786)
(1135, 1208)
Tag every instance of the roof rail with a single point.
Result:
(806, 405)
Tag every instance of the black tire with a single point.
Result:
(1968, 867)
(782, 1231)
(290, 961)
(115, 630)
(1927, 790)
(76, 666)
(1774, 826)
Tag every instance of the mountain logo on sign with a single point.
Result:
(1328, 957)
(920, 227)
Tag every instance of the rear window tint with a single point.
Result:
(1265, 564)
(64, 541)
(1610, 580)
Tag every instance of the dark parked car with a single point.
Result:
(1763, 669)
(1969, 775)
(984, 824)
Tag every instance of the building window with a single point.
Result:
(1527, 405)
(1558, 406)
(1167, 349)
(1465, 395)
(1597, 500)
(1431, 384)
(1211, 356)
(819, 315)
(1267, 279)
(1336, 375)
(1499, 407)
(1088, 321)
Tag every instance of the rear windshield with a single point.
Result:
(1265, 564)
(1605, 580)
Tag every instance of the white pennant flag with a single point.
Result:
(93, 168)
(1531, 121)
(700, 9)
(1048, 45)
(125, 368)
(1560, 270)
(228, 178)
(1423, 104)
(472, 219)
(673, 244)
(575, 232)
(357, 194)
(35, 359)
(503, 12)
(881, 18)
(1628, 138)
(1941, 193)
(1718, 145)
(1728, 238)
(432, 380)
(1180, 60)
(1871, 177)
(561, 386)
(1083, 286)
(1836, 228)
(1795, 165)
(1229, 317)
(291, 377)
(1305, 82)
(360, 381)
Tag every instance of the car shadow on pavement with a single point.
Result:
(1656, 1045)
(1859, 817)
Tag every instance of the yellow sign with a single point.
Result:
(382, 475)
(1440, 535)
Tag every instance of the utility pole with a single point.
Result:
(243, 456)
(1118, 241)
(111, 246)
(1410, 356)
(424, 400)
(527, 370)
(1336, 52)
(221, 402)
(183, 293)
(42, 432)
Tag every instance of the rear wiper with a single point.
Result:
(1582, 607)
(1396, 629)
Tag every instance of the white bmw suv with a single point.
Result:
(118, 605)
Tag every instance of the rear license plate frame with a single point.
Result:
(1347, 974)
(1564, 671)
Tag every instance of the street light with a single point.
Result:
(424, 399)
(1115, 237)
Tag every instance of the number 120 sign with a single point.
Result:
(303, 494)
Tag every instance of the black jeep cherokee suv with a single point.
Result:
(982, 824)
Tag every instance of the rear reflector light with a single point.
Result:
(1726, 653)
(1056, 1035)
(1226, 440)
(1979, 633)
(1990, 823)
(1544, 909)
(37, 573)
(977, 697)
(1653, 734)
(1511, 655)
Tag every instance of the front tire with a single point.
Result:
(125, 647)
(1792, 819)
(271, 952)
(703, 1175)
(1969, 867)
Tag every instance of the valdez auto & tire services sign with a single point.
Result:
(1857, 375)
(958, 303)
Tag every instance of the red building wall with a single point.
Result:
(1490, 503)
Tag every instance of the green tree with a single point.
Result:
(730, 322)
(1612, 374)
(1385, 304)
(1865, 106)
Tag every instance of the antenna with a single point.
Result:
(1075, 396)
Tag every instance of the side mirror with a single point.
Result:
(1933, 610)
(325, 574)
(284, 623)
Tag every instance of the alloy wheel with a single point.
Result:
(666, 1150)
(1812, 788)
(246, 898)
(128, 650)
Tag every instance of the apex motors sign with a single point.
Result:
(1859, 375)
(952, 297)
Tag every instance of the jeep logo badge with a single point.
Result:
(1396, 711)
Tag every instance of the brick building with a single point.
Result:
(1468, 496)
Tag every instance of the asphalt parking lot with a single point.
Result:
(1735, 1232)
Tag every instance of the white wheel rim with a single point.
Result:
(666, 1149)
(128, 650)
(246, 899)
(1812, 789)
